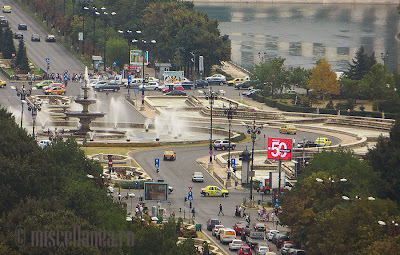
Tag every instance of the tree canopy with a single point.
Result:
(323, 80)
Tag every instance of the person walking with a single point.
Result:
(193, 213)
(220, 210)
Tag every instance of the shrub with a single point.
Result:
(330, 105)
(130, 185)
(239, 138)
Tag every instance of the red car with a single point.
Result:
(176, 87)
(245, 250)
(239, 227)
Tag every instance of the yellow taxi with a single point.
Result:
(323, 141)
(237, 81)
(169, 155)
(288, 129)
(7, 9)
(2, 84)
(56, 90)
(214, 191)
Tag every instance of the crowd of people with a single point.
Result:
(241, 213)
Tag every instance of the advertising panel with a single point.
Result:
(171, 77)
(155, 191)
(136, 58)
(279, 148)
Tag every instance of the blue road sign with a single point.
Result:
(47, 60)
(276, 202)
(190, 195)
(157, 162)
(136, 183)
(233, 162)
(114, 63)
(129, 77)
(65, 77)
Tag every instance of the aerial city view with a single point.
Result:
(199, 127)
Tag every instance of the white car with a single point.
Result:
(236, 244)
(215, 229)
(216, 76)
(262, 250)
(44, 143)
(197, 177)
(98, 84)
(150, 86)
(271, 233)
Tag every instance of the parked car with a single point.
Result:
(216, 81)
(201, 84)
(44, 143)
(50, 38)
(197, 177)
(235, 244)
(169, 155)
(3, 84)
(306, 144)
(175, 87)
(262, 250)
(227, 235)
(223, 145)
(18, 35)
(3, 22)
(237, 80)
(175, 93)
(323, 141)
(187, 85)
(245, 250)
(22, 26)
(7, 9)
(107, 86)
(215, 229)
(297, 252)
(214, 191)
(252, 92)
(286, 248)
(279, 239)
(288, 129)
(211, 223)
(271, 233)
(244, 85)
(240, 226)
(149, 86)
(35, 38)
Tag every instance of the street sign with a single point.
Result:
(66, 71)
(190, 195)
(114, 63)
(279, 148)
(157, 162)
(276, 202)
(136, 183)
(47, 60)
(233, 162)
(190, 188)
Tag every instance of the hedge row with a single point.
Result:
(292, 108)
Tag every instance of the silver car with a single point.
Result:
(197, 177)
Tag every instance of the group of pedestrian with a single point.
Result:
(240, 211)
(140, 209)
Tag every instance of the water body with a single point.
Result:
(305, 33)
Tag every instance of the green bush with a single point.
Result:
(330, 105)
(239, 138)
(130, 185)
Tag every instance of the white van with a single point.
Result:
(135, 83)
(227, 235)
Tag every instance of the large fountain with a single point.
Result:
(85, 117)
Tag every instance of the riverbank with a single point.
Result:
(360, 2)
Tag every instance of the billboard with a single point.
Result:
(279, 148)
(155, 191)
(136, 58)
(170, 77)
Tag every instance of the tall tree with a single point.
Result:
(8, 43)
(323, 80)
(21, 61)
(361, 65)
(377, 84)
(299, 77)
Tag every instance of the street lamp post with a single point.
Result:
(384, 57)
(85, 9)
(330, 185)
(211, 96)
(23, 93)
(253, 131)
(105, 36)
(229, 114)
(95, 13)
(34, 107)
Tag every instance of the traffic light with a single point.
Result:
(190, 204)
(185, 199)
(157, 170)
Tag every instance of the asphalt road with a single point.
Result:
(60, 58)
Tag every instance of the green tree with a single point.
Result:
(272, 74)
(118, 50)
(323, 81)
(21, 61)
(361, 65)
(299, 77)
(385, 160)
(8, 47)
(377, 84)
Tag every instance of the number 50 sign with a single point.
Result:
(279, 148)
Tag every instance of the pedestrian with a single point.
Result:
(107, 94)
(267, 216)
(220, 210)
(237, 211)
(240, 211)
(244, 212)
(193, 213)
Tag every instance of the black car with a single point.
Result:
(260, 227)
(18, 35)
(211, 223)
(245, 85)
(306, 144)
(35, 38)
(176, 93)
(107, 86)
(50, 38)
(201, 84)
(187, 85)
(22, 26)
(216, 81)
(4, 23)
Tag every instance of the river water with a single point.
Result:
(305, 33)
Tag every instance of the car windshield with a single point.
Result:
(246, 248)
(215, 221)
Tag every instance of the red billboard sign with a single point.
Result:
(279, 148)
